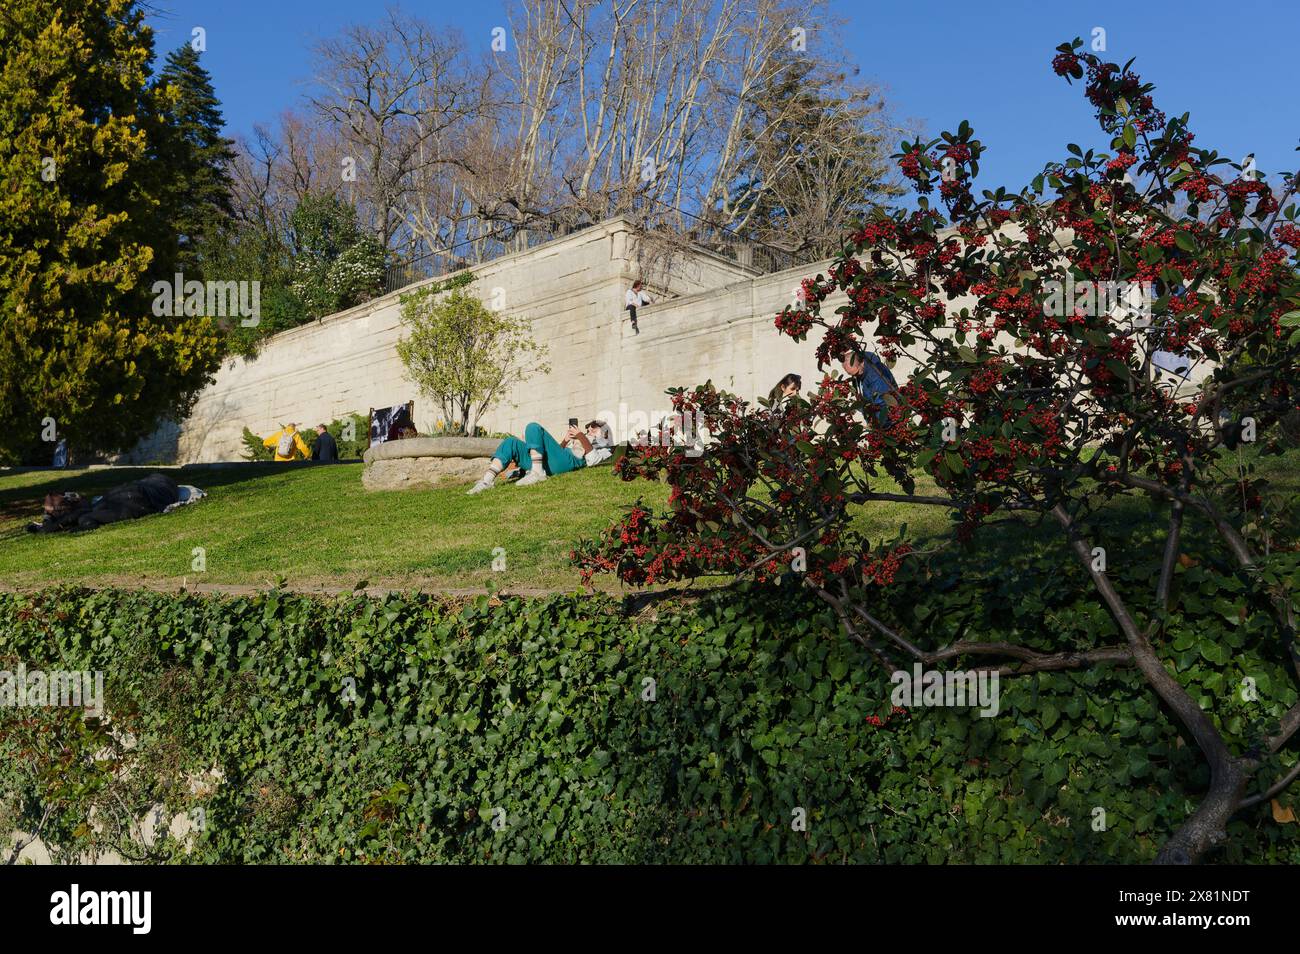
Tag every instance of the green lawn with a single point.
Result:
(315, 527)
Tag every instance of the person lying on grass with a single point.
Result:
(539, 454)
(138, 498)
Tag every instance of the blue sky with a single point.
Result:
(1231, 65)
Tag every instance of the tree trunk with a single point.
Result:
(1206, 828)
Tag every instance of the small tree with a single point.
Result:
(463, 354)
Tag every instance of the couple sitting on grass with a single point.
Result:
(540, 455)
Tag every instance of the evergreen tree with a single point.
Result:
(817, 160)
(199, 157)
(86, 226)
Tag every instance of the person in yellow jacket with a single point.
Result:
(285, 441)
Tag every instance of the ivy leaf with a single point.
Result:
(1049, 715)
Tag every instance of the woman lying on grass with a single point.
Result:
(540, 455)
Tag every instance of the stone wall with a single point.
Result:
(711, 319)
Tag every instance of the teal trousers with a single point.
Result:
(555, 459)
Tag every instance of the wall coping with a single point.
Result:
(597, 232)
(431, 447)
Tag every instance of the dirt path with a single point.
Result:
(330, 589)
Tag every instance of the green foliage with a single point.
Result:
(199, 156)
(348, 449)
(89, 209)
(443, 428)
(337, 264)
(541, 709)
(246, 249)
(253, 447)
(321, 263)
(463, 354)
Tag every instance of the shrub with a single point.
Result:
(337, 264)
(399, 728)
(253, 447)
(348, 449)
(1043, 322)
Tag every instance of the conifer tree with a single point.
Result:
(198, 156)
(87, 218)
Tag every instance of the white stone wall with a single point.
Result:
(348, 361)
(712, 319)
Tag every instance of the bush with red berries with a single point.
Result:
(1042, 324)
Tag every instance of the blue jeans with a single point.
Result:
(555, 459)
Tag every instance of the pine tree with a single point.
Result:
(816, 161)
(86, 226)
(198, 155)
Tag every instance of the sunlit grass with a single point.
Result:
(317, 527)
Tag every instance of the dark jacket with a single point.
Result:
(876, 385)
(139, 498)
(325, 450)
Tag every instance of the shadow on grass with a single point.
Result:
(23, 504)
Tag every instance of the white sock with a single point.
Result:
(537, 457)
(490, 474)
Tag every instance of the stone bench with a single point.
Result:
(424, 462)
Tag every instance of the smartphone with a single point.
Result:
(573, 422)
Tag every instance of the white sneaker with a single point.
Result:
(479, 487)
(535, 475)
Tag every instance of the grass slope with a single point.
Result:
(317, 527)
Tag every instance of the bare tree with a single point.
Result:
(697, 116)
(634, 107)
(391, 91)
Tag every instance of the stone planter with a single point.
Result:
(424, 462)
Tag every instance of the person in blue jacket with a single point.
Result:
(874, 381)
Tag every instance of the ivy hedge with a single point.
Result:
(417, 729)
